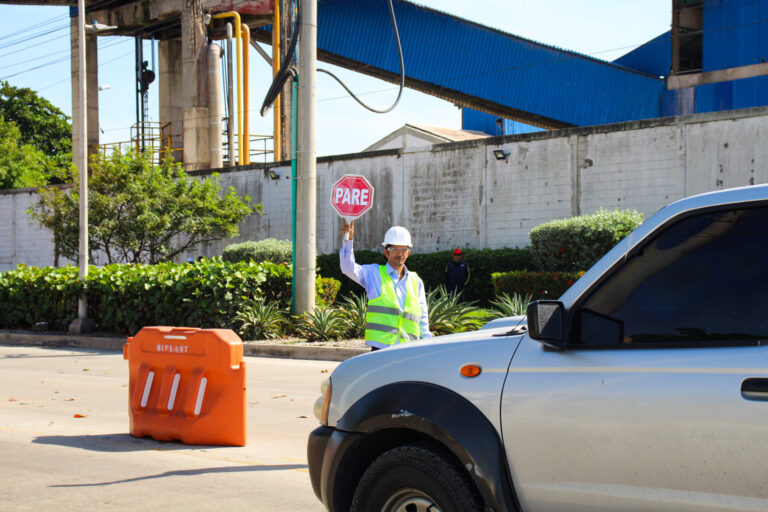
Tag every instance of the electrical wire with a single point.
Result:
(282, 76)
(36, 25)
(402, 71)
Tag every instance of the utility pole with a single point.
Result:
(306, 184)
(82, 323)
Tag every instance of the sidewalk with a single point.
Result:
(112, 342)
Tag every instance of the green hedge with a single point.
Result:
(431, 268)
(578, 242)
(276, 251)
(539, 285)
(123, 298)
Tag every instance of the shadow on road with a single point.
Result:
(192, 472)
(116, 443)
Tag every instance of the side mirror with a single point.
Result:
(546, 321)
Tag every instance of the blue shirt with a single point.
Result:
(369, 278)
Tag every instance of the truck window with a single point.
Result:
(703, 279)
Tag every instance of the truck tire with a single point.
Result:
(415, 478)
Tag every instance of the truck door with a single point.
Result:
(660, 399)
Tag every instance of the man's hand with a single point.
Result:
(348, 230)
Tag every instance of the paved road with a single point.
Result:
(51, 460)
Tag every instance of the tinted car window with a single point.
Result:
(702, 279)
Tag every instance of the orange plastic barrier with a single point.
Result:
(187, 384)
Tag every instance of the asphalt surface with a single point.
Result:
(64, 340)
(65, 442)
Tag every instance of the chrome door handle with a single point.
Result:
(755, 389)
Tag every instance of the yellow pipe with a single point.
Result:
(246, 110)
(277, 135)
(239, 38)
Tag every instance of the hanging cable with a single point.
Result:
(282, 76)
(402, 71)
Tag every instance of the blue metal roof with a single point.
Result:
(653, 58)
(483, 68)
(488, 70)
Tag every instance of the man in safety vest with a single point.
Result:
(397, 304)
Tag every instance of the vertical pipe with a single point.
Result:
(214, 105)
(306, 193)
(239, 37)
(230, 99)
(277, 131)
(246, 108)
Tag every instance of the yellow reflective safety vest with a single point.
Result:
(386, 323)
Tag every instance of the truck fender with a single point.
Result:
(448, 418)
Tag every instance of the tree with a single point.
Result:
(40, 125)
(142, 213)
(21, 165)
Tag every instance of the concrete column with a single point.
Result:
(170, 91)
(194, 88)
(306, 184)
(92, 77)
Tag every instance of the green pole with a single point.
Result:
(294, 114)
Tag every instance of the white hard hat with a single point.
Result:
(397, 235)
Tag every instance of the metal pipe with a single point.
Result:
(214, 105)
(306, 193)
(230, 99)
(246, 103)
(294, 85)
(277, 135)
(239, 37)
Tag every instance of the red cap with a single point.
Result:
(456, 251)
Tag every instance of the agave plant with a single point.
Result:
(511, 306)
(260, 320)
(354, 309)
(323, 324)
(448, 314)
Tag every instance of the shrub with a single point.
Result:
(577, 243)
(511, 305)
(322, 324)
(355, 310)
(32, 294)
(125, 297)
(260, 320)
(448, 314)
(537, 285)
(276, 251)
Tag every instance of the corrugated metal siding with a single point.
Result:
(480, 62)
(480, 121)
(735, 33)
(652, 58)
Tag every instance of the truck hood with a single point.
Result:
(436, 361)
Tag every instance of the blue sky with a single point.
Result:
(601, 28)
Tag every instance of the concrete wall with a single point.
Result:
(456, 195)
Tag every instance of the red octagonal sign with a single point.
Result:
(352, 196)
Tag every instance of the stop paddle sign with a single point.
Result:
(352, 196)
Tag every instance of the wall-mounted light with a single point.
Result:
(500, 154)
(273, 174)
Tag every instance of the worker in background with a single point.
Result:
(397, 303)
(456, 273)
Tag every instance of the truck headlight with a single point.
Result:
(323, 402)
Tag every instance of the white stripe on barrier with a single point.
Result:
(172, 337)
(174, 389)
(200, 393)
(147, 388)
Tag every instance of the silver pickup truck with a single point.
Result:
(644, 388)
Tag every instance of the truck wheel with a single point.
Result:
(415, 478)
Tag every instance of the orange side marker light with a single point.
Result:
(470, 370)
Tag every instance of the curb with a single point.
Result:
(63, 340)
